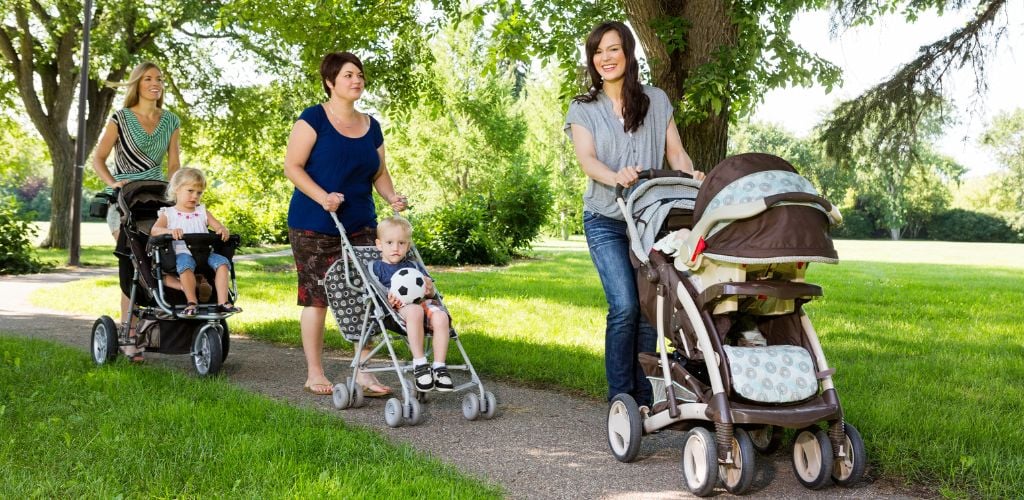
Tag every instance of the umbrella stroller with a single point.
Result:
(360, 307)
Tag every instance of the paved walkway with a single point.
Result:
(542, 444)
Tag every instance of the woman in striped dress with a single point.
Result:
(140, 134)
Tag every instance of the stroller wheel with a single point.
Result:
(357, 394)
(700, 462)
(738, 476)
(104, 340)
(490, 405)
(812, 457)
(848, 470)
(624, 427)
(766, 439)
(415, 412)
(207, 355)
(471, 406)
(225, 339)
(340, 396)
(393, 413)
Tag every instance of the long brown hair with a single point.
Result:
(131, 97)
(634, 101)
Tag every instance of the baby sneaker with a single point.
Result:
(442, 380)
(424, 377)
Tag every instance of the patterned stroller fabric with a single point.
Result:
(787, 232)
(347, 297)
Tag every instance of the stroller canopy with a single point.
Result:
(786, 232)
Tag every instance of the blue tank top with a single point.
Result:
(338, 164)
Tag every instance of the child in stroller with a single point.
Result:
(738, 358)
(189, 216)
(157, 319)
(362, 310)
(394, 236)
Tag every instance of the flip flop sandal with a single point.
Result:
(190, 310)
(324, 389)
(228, 308)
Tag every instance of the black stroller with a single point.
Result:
(154, 310)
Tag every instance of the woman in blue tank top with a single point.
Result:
(335, 159)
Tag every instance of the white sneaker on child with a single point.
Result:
(424, 377)
(442, 380)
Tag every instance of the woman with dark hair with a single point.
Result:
(619, 128)
(335, 158)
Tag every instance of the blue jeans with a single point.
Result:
(627, 333)
(185, 262)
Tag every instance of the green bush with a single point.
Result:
(857, 225)
(480, 229)
(521, 204)
(1016, 222)
(255, 222)
(965, 225)
(460, 233)
(16, 253)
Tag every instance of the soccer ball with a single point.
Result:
(408, 285)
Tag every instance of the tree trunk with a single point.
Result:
(61, 199)
(710, 28)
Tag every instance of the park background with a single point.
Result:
(472, 97)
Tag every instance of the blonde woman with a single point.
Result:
(140, 134)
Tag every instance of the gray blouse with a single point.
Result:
(616, 148)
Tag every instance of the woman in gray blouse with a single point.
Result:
(619, 128)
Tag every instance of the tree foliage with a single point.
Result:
(1005, 139)
(893, 113)
(716, 58)
(805, 154)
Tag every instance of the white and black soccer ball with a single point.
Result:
(408, 285)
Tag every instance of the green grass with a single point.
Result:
(74, 430)
(97, 247)
(929, 357)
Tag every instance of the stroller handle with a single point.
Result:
(652, 174)
(202, 239)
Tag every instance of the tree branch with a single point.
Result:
(894, 109)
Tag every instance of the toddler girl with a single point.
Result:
(188, 216)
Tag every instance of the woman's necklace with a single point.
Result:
(337, 118)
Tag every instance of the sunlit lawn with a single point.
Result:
(71, 430)
(97, 247)
(929, 357)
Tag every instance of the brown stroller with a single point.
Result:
(738, 358)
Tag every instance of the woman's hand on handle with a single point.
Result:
(398, 202)
(627, 176)
(332, 201)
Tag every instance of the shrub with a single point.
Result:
(16, 253)
(521, 204)
(1016, 221)
(965, 225)
(857, 225)
(460, 233)
(479, 229)
(256, 222)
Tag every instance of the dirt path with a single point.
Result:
(542, 444)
